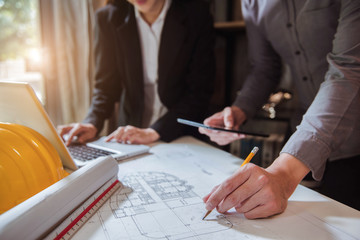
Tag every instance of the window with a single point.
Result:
(20, 51)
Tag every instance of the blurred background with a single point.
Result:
(48, 43)
(20, 46)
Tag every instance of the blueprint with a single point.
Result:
(161, 198)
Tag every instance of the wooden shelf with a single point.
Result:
(233, 25)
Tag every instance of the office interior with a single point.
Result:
(49, 44)
(57, 60)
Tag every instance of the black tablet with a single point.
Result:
(196, 124)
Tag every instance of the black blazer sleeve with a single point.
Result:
(107, 87)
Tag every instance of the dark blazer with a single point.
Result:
(185, 74)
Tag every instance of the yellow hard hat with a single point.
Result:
(29, 163)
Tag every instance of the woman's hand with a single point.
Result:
(133, 135)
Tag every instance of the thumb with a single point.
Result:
(228, 118)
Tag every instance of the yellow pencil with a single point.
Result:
(247, 160)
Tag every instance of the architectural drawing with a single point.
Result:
(162, 206)
(161, 199)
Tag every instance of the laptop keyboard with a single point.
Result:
(85, 153)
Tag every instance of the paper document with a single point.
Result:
(162, 199)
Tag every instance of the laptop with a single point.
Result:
(19, 104)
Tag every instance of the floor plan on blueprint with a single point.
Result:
(161, 198)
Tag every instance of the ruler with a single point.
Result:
(78, 218)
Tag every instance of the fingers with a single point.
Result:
(225, 118)
(220, 137)
(134, 135)
(205, 199)
(266, 209)
(85, 136)
(251, 190)
(83, 132)
(226, 189)
(228, 118)
(263, 204)
(240, 196)
(122, 134)
(64, 129)
(75, 131)
(111, 136)
(216, 119)
(138, 137)
(221, 119)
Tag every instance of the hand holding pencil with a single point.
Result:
(257, 192)
(247, 160)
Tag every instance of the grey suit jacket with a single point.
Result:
(320, 41)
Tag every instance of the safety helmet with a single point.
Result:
(29, 163)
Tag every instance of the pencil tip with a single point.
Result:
(208, 212)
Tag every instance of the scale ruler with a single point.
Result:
(76, 219)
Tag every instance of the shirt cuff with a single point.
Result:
(310, 150)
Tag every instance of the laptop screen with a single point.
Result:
(19, 104)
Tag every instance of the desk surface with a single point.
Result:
(162, 199)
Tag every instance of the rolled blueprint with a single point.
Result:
(33, 218)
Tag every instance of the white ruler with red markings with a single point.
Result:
(77, 218)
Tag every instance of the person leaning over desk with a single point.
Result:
(320, 41)
(156, 57)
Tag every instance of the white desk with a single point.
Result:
(162, 200)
